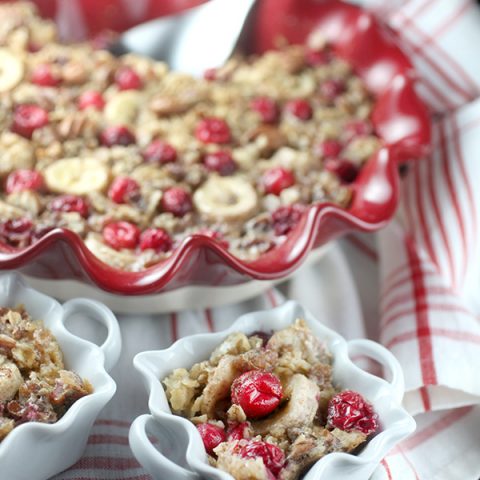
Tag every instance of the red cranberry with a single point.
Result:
(70, 203)
(331, 89)
(27, 118)
(330, 148)
(212, 436)
(156, 239)
(237, 431)
(43, 75)
(286, 218)
(300, 109)
(17, 232)
(316, 58)
(272, 456)
(220, 162)
(257, 392)
(20, 180)
(127, 78)
(177, 200)
(213, 130)
(345, 170)
(117, 135)
(121, 235)
(357, 128)
(160, 152)
(210, 74)
(123, 189)
(91, 98)
(277, 179)
(216, 235)
(350, 411)
(267, 108)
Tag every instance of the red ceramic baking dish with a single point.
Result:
(399, 117)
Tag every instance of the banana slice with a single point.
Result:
(122, 260)
(77, 176)
(11, 70)
(226, 198)
(123, 107)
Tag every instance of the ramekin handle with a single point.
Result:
(385, 358)
(154, 461)
(112, 345)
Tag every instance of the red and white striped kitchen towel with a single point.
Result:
(413, 287)
(439, 36)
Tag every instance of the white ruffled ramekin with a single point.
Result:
(180, 453)
(37, 451)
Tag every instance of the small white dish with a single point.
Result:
(37, 451)
(180, 453)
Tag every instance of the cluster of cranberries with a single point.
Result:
(21, 232)
(118, 235)
(259, 393)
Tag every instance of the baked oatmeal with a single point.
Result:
(134, 158)
(34, 384)
(265, 406)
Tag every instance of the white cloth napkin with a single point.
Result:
(417, 292)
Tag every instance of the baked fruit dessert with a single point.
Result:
(135, 158)
(34, 384)
(266, 407)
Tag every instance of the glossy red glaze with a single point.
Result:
(400, 118)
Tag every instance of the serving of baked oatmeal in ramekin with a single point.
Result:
(53, 384)
(34, 384)
(274, 396)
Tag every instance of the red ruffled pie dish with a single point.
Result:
(400, 120)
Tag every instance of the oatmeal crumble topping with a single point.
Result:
(34, 385)
(265, 405)
(121, 146)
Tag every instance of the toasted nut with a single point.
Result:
(74, 73)
(268, 138)
(294, 60)
(164, 106)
